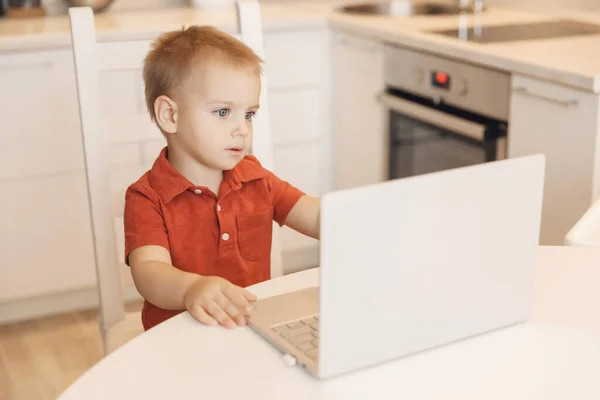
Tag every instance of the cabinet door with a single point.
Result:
(294, 57)
(561, 123)
(40, 120)
(359, 143)
(46, 245)
(300, 166)
(46, 242)
(295, 116)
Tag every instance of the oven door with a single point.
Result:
(424, 139)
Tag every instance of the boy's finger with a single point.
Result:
(235, 294)
(235, 314)
(219, 314)
(230, 308)
(201, 315)
(249, 296)
(224, 302)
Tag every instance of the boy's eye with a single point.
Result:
(249, 115)
(223, 112)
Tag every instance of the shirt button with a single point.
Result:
(218, 207)
(225, 236)
(197, 191)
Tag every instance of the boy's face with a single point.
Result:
(215, 110)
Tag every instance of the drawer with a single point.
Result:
(359, 55)
(295, 116)
(295, 58)
(48, 247)
(40, 120)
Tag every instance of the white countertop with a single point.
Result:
(53, 31)
(572, 61)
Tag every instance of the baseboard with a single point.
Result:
(45, 306)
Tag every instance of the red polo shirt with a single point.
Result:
(228, 235)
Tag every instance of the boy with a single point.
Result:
(198, 225)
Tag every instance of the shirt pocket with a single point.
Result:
(255, 233)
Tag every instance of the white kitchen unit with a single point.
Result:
(359, 147)
(561, 123)
(47, 254)
(45, 244)
(297, 70)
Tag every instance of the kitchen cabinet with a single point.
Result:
(46, 245)
(39, 113)
(562, 123)
(359, 141)
(297, 70)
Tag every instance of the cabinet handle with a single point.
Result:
(565, 103)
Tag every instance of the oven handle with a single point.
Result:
(457, 125)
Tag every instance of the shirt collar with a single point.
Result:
(249, 169)
(169, 183)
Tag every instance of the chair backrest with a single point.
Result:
(98, 141)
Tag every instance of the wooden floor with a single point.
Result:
(40, 359)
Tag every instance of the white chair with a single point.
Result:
(586, 232)
(116, 325)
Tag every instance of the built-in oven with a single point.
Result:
(443, 114)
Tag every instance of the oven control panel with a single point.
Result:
(471, 87)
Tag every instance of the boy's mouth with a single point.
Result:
(235, 149)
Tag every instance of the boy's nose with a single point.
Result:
(242, 129)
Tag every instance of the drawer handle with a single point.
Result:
(565, 103)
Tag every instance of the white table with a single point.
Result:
(555, 356)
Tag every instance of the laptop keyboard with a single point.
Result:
(302, 334)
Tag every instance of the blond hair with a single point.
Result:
(174, 55)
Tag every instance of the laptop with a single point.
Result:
(412, 264)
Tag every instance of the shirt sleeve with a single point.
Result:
(144, 223)
(284, 197)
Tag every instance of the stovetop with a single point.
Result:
(518, 32)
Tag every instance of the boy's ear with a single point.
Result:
(166, 113)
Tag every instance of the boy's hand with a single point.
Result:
(212, 300)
